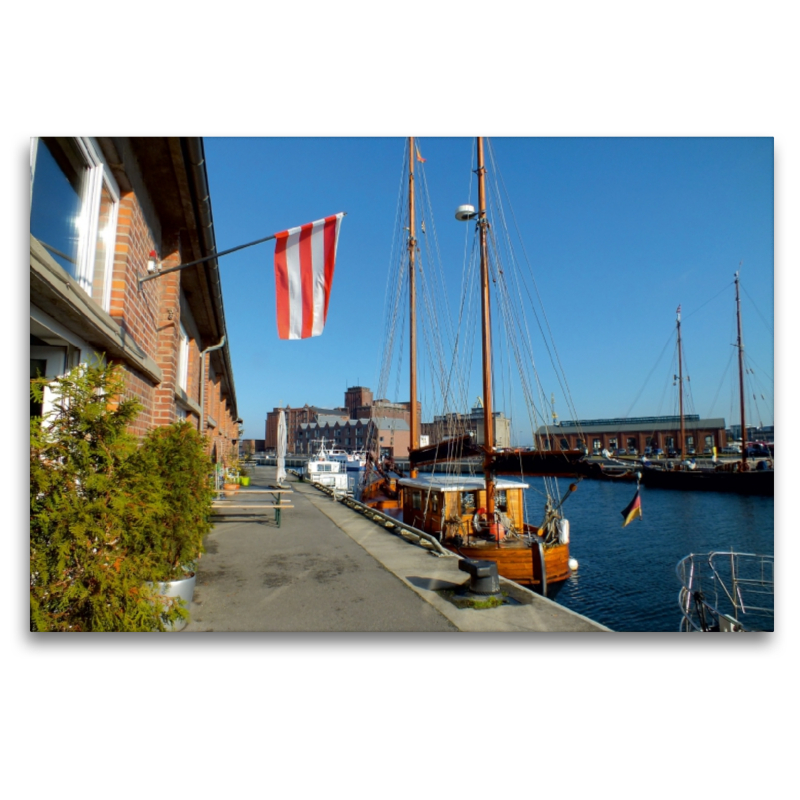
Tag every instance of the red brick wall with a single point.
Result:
(151, 316)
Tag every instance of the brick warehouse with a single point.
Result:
(359, 404)
(106, 212)
(634, 433)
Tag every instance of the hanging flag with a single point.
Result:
(419, 157)
(304, 262)
(633, 509)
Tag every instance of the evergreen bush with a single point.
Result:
(176, 456)
(109, 517)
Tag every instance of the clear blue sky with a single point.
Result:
(618, 231)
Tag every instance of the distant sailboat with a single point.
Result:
(738, 477)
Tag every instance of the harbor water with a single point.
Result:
(626, 577)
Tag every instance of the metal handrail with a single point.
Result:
(377, 515)
(727, 596)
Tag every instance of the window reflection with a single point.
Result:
(56, 201)
(105, 243)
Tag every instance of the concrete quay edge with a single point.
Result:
(425, 572)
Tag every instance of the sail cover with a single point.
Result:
(281, 451)
(304, 262)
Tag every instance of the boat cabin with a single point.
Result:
(446, 506)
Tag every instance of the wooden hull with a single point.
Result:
(530, 463)
(519, 563)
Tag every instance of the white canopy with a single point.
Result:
(458, 483)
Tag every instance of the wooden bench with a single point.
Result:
(278, 505)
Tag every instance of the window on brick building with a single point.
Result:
(183, 359)
(74, 205)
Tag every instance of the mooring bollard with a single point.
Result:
(483, 576)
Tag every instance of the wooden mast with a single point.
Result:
(486, 336)
(412, 300)
(741, 372)
(682, 442)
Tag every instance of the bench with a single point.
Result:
(278, 505)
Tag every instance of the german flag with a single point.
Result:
(633, 509)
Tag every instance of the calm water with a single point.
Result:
(626, 579)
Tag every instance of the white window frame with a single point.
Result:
(183, 359)
(98, 175)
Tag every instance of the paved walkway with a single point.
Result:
(328, 568)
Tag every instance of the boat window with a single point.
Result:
(467, 503)
(435, 503)
(416, 499)
(501, 498)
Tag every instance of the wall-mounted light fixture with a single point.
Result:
(152, 261)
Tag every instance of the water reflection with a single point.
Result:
(626, 578)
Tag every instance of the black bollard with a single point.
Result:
(483, 576)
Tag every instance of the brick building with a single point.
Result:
(358, 405)
(634, 433)
(390, 434)
(355, 398)
(106, 212)
(294, 418)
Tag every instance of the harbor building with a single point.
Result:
(108, 214)
(392, 435)
(294, 418)
(359, 404)
(454, 424)
(634, 434)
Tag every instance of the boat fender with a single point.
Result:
(563, 531)
(573, 563)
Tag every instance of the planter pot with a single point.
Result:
(230, 487)
(245, 480)
(183, 589)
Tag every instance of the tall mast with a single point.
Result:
(486, 335)
(741, 372)
(680, 392)
(412, 301)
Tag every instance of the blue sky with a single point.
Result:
(618, 233)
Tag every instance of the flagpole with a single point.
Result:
(210, 258)
(202, 260)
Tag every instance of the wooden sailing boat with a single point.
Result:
(480, 517)
(738, 477)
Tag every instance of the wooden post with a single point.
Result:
(486, 336)
(412, 300)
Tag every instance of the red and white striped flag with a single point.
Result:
(304, 262)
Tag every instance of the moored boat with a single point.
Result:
(453, 508)
(480, 516)
(727, 592)
(322, 470)
(740, 477)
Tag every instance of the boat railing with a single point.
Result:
(727, 591)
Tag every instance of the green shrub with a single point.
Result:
(175, 455)
(109, 516)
